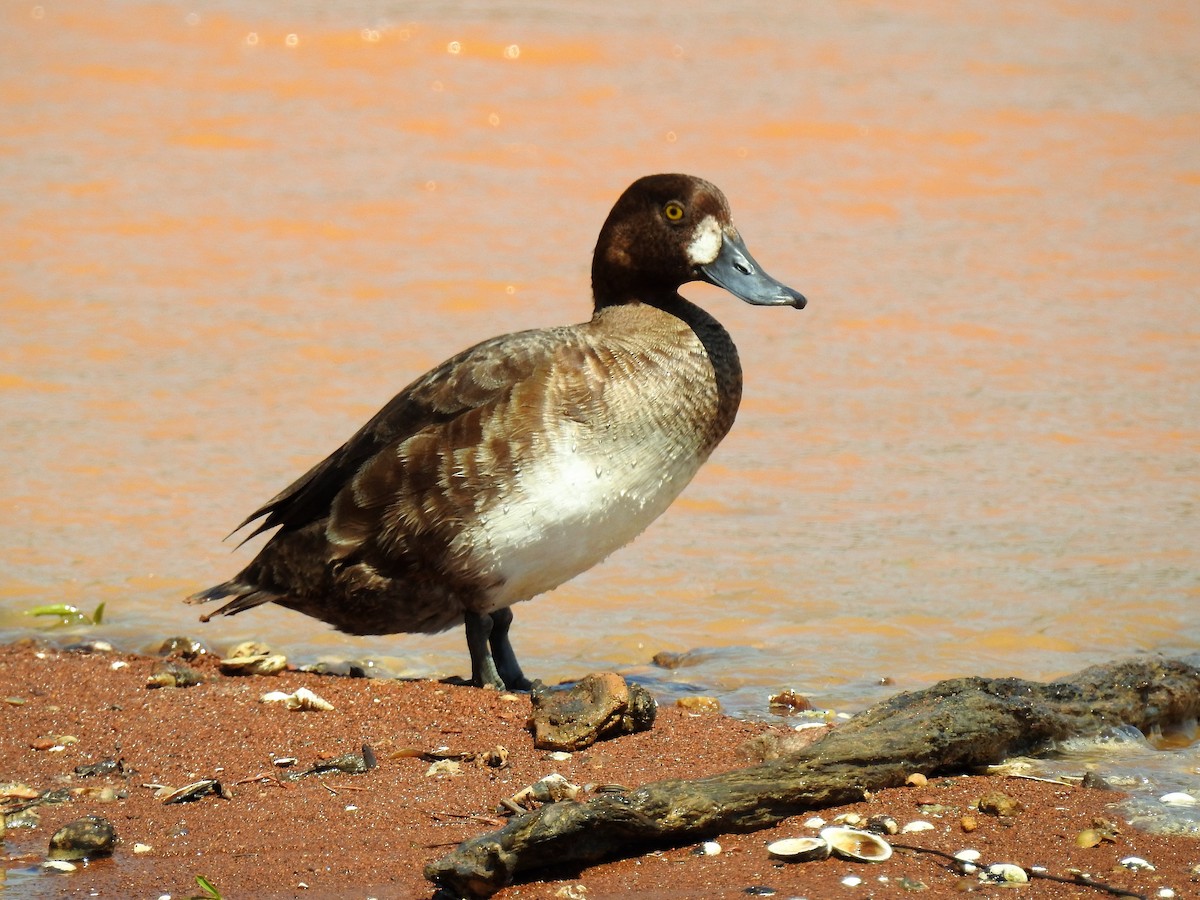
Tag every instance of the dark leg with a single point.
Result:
(505, 660)
(483, 668)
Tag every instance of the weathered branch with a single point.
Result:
(954, 726)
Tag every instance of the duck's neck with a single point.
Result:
(676, 327)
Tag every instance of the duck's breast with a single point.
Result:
(618, 433)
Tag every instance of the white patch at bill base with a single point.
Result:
(706, 242)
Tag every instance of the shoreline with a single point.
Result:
(370, 835)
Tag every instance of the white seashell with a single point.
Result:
(851, 819)
(1136, 862)
(917, 825)
(710, 848)
(303, 699)
(1165, 893)
(814, 822)
(1178, 798)
(447, 767)
(261, 664)
(142, 848)
(59, 865)
(863, 846)
(967, 860)
(1004, 872)
(550, 789)
(801, 849)
(851, 881)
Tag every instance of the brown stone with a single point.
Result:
(599, 706)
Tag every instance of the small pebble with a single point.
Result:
(709, 848)
(814, 822)
(1136, 862)
(699, 704)
(59, 865)
(1166, 893)
(788, 702)
(852, 881)
(142, 848)
(916, 779)
(997, 803)
(883, 824)
(968, 824)
(918, 825)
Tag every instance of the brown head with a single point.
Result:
(667, 230)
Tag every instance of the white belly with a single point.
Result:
(573, 508)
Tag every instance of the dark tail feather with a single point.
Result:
(246, 596)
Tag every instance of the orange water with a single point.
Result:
(232, 230)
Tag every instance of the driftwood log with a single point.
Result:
(953, 727)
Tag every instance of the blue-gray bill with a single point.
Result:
(736, 271)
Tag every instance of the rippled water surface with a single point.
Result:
(232, 230)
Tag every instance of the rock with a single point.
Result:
(788, 703)
(185, 647)
(83, 838)
(996, 803)
(171, 673)
(103, 767)
(599, 706)
(699, 704)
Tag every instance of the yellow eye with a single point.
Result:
(673, 211)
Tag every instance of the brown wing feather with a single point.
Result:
(471, 379)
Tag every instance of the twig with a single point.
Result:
(1089, 881)
(1076, 878)
(1058, 781)
(486, 820)
(263, 776)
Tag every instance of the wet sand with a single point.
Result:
(370, 835)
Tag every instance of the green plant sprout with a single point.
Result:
(68, 614)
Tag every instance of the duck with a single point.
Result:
(525, 459)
